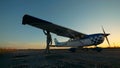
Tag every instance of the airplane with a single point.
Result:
(77, 39)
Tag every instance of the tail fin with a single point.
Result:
(56, 41)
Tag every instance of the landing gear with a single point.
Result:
(98, 49)
(72, 49)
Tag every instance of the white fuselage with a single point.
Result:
(89, 40)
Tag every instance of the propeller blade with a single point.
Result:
(105, 36)
(107, 41)
(103, 30)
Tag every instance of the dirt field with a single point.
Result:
(108, 58)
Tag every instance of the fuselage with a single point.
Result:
(87, 40)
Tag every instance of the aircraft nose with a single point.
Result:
(106, 35)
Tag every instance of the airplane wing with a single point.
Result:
(45, 25)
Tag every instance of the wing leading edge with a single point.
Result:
(45, 25)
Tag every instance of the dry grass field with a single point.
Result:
(60, 58)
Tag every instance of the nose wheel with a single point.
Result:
(98, 49)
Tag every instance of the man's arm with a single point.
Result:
(45, 32)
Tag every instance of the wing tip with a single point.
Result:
(24, 20)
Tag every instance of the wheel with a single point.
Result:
(72, 49)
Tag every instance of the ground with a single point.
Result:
(60, 58)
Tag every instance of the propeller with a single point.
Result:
(105, 35)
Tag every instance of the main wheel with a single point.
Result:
(72, 49)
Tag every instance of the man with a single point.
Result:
(49, 40)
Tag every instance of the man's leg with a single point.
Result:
(48, 47)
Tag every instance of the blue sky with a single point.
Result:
(86, 16)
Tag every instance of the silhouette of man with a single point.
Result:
(49, 40)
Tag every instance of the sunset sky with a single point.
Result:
(86, 16)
